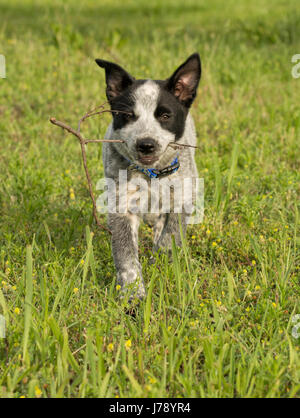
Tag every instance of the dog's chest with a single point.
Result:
(146, 197)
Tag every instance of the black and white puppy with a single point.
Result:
(148, 115)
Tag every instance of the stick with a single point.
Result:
(82, 145)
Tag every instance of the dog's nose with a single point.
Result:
(145, 145)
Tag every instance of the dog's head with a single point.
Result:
(155, 111)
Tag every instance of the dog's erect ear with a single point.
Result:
(184, 81)
(117, 79)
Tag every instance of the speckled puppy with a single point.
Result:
(157, 114)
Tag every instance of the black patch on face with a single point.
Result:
(170, 113)
(125, 102)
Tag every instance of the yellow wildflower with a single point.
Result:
(128, 344)
(38, 392)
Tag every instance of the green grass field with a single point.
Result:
(217, 321)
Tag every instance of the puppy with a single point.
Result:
(150, 116)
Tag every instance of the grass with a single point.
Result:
(217, 322)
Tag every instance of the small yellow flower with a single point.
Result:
(3, 283)
(274, 305)
(152, 380)
(72, 249)
(193, 236)
(72, 196)
(110, 347)
(67, 172)
(248, 309)
(22, 396)
(118, 287)
(169, 328)
(253, 262)
(14, 287)
(214, 244)
(38, 392)
(82, 262)
(207, 232)
(17, 311)
(75, 290)
(128, 344)
(257, 287)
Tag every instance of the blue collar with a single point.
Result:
(153, 173)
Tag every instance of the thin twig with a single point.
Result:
(82, 145)
(178, 146)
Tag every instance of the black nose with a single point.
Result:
(145, 145)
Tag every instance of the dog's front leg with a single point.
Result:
(124, 228)
(171, 228)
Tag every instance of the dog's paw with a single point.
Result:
(132, 287)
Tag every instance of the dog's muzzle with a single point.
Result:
(146, 146)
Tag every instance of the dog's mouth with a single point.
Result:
(147, 159)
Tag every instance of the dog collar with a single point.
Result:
(153, 173)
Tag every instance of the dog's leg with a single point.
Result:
(124, 230)
(170, 228)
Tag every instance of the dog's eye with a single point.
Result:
(129, 116)
(164, 116)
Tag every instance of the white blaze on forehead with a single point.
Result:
(146, 97)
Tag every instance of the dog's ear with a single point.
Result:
(117, 79)
(184, 81)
